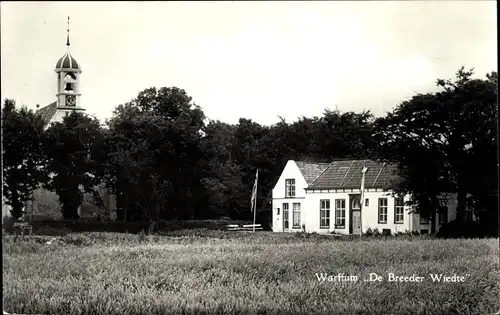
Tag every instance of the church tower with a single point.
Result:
(68, 89)
(68, 81)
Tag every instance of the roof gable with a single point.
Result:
(347, 175)
(310, 170)
(47, 112)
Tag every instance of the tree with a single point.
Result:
(268, 148)
(303, 139)
(345, 135)
(23, 158)
(409, 137)
(155, 155)
(223, 180)
(443, 142)
(250, 154)
(471, 116)
(70, 147)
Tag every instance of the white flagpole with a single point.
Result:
(362, 201)
(255, 200)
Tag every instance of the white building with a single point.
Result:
(325, 198)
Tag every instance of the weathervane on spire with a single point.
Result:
(67, 38)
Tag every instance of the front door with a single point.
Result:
(356, 222)
(286, 220)
(355, 210)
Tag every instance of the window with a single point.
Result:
(356, 204)
(69, 76)
(424, 218)
(296, 215)
(468, 214)
(289, 188)
(277, 211)
(285, 216)
(367, 202)
(398, 210)
(324, 214)
(442, 211)
(382, 210)
(340, 213)
(443, 215)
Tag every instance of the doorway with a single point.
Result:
(355, 214)
(286, 218)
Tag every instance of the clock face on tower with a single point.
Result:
(70, 100)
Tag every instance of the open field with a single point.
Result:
(211, 272)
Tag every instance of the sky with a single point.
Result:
(257, 60)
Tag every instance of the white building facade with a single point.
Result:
(326, 198)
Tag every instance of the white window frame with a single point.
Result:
(296, 214)
(324, 213)
(340, 205)
(399, 210)
(382, 210)
(290, 188)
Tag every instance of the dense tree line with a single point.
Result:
(165, 160)
(447, 142)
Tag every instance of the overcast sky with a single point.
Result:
(255, 60)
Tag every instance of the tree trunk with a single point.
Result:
(157, 217)
(121, 205)
(17, 210)
(432, 214)
(17, 205)
(461, 183)
(462, 199)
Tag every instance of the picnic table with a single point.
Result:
(243, 227)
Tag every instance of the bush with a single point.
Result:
(368, 232)
(142, 237)
(301, 234)
(63, 227)
(387, 233)
(313, 235)
(465, 229)
(8, 224)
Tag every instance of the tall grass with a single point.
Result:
(214, 272)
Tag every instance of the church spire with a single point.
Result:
(67, 37)
(67, 62)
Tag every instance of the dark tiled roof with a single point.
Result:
(347, 175)
(311, 170)
(47, 112)
(67, 62)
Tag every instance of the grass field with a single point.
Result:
(211, 272)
